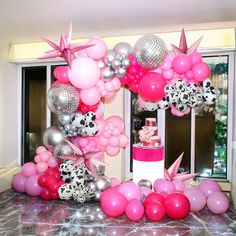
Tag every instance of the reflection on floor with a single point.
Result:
(24, 215)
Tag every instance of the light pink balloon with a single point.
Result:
(18, 182)
(115, 182)
(90, 96)
(41, 166)
(32, 187)
(100, 111)
(44, 157)
(166, 65)
(145, 191)
(103, 141)
(164, 186)
(114, 141)
(84, 73)
(52, 162)
(112, 151)
(117, 121)
(218, 202)
(40, 150)
(130, 190)
(123, 140)
(98, 50)
(116, 84)
(179, 185)
(168, 74)
(108, 86)
(37, 159)
(29, 169)
(209, 186)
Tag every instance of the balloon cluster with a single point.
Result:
(82, 186)
(50, 181)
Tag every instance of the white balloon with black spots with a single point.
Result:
(183, 97)
(180, 86)
(181, 107)
(193, 101)
(65, 192)
(170, 88)
(151, 106)
(172, 98)
(163, 104)
(192, 88)
(78, 120)
(66, 168)
(209, 98)
(206, 84)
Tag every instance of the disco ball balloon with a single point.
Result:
(63, 98)
(150, 51)
(62, 149)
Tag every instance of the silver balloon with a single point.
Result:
(116, 64)
(52, 136)
(99, 169)
(62, 149)
(97, 195)
(92, 185)
(150, 51)
(109, 57)
(125, 62)
(89, 178)
(63, 98)
(107, 73)
(103, 183)
(64, 118)
(145, 183)
(120, 73)
(123, 48)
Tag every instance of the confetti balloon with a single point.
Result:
(150, 51)
(63, 98)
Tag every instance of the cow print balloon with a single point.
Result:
(163, 104)
(180, 86)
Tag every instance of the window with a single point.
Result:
(205, 135)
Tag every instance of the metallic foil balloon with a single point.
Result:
(103, 183)
(107, 73)
(92, 185)
(62, 149)
(65, 118)
(150, 51)
(123, 48)
(63, 98)
(89, 178)
(116, 64)
(145, 183)
(52, 136)
(125, 62)
(97, 195)
(121, 72)
(109, 57)
(99, 169)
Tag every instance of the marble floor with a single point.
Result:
(24, 215)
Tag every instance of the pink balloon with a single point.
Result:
(98, 50)
(189, 74)
(100, 111)
(181, 63)
(130, 190)
(209, 186)
(134, 210)
(90, 96)
(52, 162)
(151, 87)
(166, 65)
(218, 202)
(114, 141)
(168, 74)
(84, 73)
(101, 125)
(44, 157)
(60, 73)
(37, 159)
(41, 167)
(201, 71)
(116, 84)
(18, 182)
(40, 150)
(145, 191)
(141, 102)
(117, 121)
(113, 203)
(134, 87)
(103, 141)
(196, 58)
(123, 140)
(179, 185)
(29, 169)
(58, 82)
(32, 187)
(112, 151)
(115, 182)
(108, 86)
(164, 186)
(196, 198)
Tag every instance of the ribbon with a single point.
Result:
(88, 159)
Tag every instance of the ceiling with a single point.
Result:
(28, 20)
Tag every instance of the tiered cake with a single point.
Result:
(148, 155)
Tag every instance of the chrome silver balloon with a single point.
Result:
(65, 118)
(52, 136)
(92, 185)
(109, 57)
(97, 195)
(120, 73)
(62, 149)
(116, 64)
(123, 48)
(145, 183)
(125, 62)
(150, 51)
(108, 73)
(99, 169)
(103, 182)
(63, 98)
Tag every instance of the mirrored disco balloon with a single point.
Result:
(52, 136)
(62, 149)
(63, 98)
(150, 51)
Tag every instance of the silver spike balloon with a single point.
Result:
(63, 98)
(52, 136)
(150, 51)
(62, 149)
(123, 48)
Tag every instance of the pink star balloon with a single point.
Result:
(65, 48)
(172, 173)
(183, 46)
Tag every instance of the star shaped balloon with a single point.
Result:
(65, 48)
(183, 46)
(172, 173)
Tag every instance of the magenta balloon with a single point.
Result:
(113, 203)
(134, 210)
(164, 186)
(209, 186)
(181, 63)
(151, 87)
(32, 187)
(29, 169)
(196, 58)
(130, 190)
(201, 71)
(196, 198)
(218, 202)
(18, 182)
(60, 73)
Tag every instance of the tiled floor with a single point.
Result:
(24, 215)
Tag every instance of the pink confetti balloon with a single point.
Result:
(134, 210)
(218, 202)
(130, 190)
(18, 182)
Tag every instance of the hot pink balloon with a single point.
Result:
(84, 73)
(164, 186)
(134, 210)
(134, 87)
(29, 169)
(58, 82)
(32, 187)
(196, 198)
(181, 63)
(209, 186)
(189, 75)
(117, 121)
(90, 96)
(151, 87)
(18, 182)
(195, 57)
(130, 190)
(218, 202)
(98, 50)
(60, 73)
(201, 71)
(112, 151)
(123, 140)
